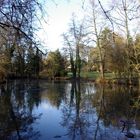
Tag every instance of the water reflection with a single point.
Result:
(71, 113)
(43, 110)
(115, 107)
(54, 92)
(99, 115)
(16, 116)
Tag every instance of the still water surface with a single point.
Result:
(42, 110)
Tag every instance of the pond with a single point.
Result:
(42, 110)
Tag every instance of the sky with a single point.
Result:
(59, 14)
(58, 18)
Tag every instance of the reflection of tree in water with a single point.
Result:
(90, 114)
(54, 93)
(16, 116)
(115, 105)
(75, 113)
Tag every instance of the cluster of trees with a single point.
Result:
(19, 52)
(55, 65)
(114, 58)
(106, 39)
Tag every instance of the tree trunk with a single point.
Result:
(98, 45)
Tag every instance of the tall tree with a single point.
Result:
(125, 14)
(74, 41)
(136, 57)
(97, 33)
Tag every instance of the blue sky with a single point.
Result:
(59, 14)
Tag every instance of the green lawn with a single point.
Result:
(92, 75)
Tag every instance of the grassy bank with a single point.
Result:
(93, 75)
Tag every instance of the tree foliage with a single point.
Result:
(55, 65)
(17, 27)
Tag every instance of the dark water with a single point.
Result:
(41, 110)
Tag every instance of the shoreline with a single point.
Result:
(116, 81)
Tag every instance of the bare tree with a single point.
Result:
(74, 40)
(124, 15)
(97, 27)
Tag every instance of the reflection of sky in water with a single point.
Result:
(50, 127)
(49, 123)
(90, 89)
